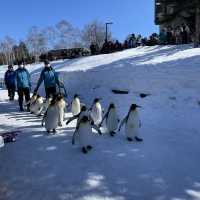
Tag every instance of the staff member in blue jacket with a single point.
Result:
(23, 85)
(50, 78)
(9, 80)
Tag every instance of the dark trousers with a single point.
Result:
(50, 92)
(21, 93)
(11, 92)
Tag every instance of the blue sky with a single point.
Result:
(17, 16)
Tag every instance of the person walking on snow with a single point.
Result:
(50, 78)
(23, 85)
(9, 80)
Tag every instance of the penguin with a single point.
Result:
(51, 117)
(32, 102)
(76, 105)
(112, 119)
(84, 112)
(132, 124)
(37, 107)
(83, 132)
(46, 104)
(96, 111)
(61, 107)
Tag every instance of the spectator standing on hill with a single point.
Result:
(125, 45)
(184, 35)
(132, 41)
(9, 80)
(50, 78)
(23, 85)
(162, 37)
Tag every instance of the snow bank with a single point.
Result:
(164, 167)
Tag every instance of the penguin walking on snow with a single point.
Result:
(46, 104)
(51, 117)
(84, 112)
(112, 119)
(76, 105)
(32, 102)
(96, 112)
(61, 107)
(37, 107)
(83, 132)
(132, 124)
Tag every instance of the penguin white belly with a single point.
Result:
(51, 119)
(38, 109)
(132, 125)
(61, 109)
(112, 121)
(84, 134)
(45, 106)
(76, 107)
(32, 107)
(37, 106)
(96, 114)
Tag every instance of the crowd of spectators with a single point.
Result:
(167, 36)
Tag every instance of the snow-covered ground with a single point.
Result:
(164, 167)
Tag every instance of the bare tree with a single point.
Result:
(95, 32)
(66, 34)
(6, 48)
(51, 36)
(36, 42)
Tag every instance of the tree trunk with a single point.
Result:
(197, 25)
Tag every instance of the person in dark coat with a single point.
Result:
(23, 85)
(50, 78)
(117, 46)
(93, 49)
(184, 35)
(9, 80)
(125, 45)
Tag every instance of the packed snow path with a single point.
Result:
(164, 167)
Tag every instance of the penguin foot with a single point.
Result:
(129, 139)
(89, 147)
(48, 131)
(138, 139)
(111, 134)
(84, 150)
(60, 124)
(54, 131)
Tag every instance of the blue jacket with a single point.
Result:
(50, 78)
(23, 78)
(9, 78)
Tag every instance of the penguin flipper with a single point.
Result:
(96, 128)
(73, 137)
(72, 119)
(122, 123)
(106, 115)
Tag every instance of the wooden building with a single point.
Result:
(174, 13)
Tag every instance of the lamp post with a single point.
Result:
(107, 23)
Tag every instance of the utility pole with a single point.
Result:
(197, 24)
(107, 23)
